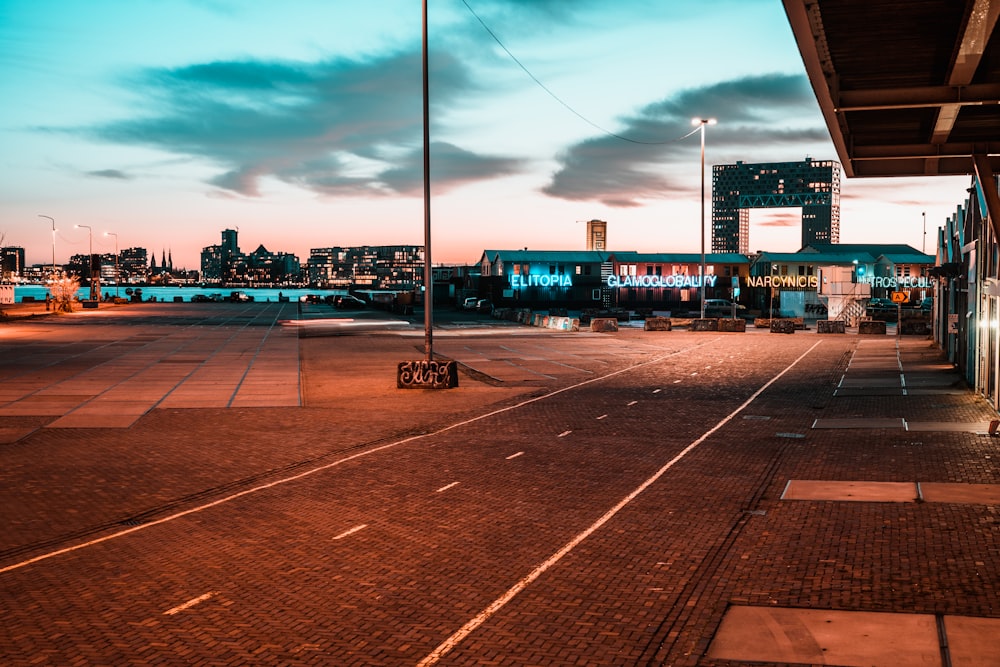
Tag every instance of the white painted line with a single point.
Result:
(564, 434)
(351, 531)
(514, 456)
(459, 635)
(657, 391)
(693, 374)
(339, 462)
(632, 402)
(190, 603)
(677, 381)
(603, 417)
(447, 486)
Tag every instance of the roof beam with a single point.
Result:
(925, 151)
(919, 97)
(981, 22)
(988, 186)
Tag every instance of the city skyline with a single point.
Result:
(299, 125)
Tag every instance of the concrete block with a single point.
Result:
(706, 324)
(871, 327)
(830, 326)
(604, 324)
(783, 326)
(737, 324)
(657, 324)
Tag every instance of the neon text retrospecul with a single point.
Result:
(904, 282)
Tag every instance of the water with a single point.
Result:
(169, 293)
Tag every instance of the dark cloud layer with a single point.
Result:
(620, 173)
(340, 126)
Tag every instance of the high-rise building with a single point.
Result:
(597, 235)
(813, 185)
(11, 261)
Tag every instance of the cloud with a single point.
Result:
(623, 173)
(109, 173)
(338, 126)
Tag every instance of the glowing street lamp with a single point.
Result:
(117, 277)
(90, 260)
(53, 220)
(701, 123)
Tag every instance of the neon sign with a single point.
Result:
(783, 281)
(890, 282)
(544, 280)
(675, 280)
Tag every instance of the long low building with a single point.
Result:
(790, 283)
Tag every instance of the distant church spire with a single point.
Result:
(170, 260)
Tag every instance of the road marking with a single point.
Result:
(677, 381)
(190, 603)
(459, 635)
(603, 417)
(333, 464)
(632, 402)
(657, 391)
(447, 486)
(564, 434)
(351, 531)
(514, 456)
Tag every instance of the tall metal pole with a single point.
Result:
(923, 248)
(90, 259)
(117, 275)
(701, 123)
(428, 274)
(53, 243)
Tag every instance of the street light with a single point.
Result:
(53, 243)
(90, 260)
(701, 123)
(117, 277)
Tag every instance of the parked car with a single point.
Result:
(349, 301)
(470, 303)
(721, 307)
(484, 306)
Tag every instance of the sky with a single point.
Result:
(299, 123)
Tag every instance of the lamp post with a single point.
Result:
(53, 220)
(117, 276)
(923, 248)
(90, 260)
(701, 123)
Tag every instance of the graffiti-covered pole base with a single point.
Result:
(426, 374)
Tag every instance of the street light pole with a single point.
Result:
(923, 248)
(117, 275)
(90, 259)
(53, 220)
(701, 123)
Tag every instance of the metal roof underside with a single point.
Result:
(907, 87)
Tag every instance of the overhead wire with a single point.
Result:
(556, 97)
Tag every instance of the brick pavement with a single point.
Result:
(371, 524)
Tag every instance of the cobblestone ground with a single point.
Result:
(603, 507)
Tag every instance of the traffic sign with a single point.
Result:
(898, 297)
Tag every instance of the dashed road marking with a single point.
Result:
(351, 531)
(603, 417)
(447, 486)
(493, 608)
(514, 456)
(190, 603)
(564, 434)
(632, 402)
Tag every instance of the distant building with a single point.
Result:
(398, 267)
(133, 266)
(812, 185)
(11, 262)
(225, 264)
(597, 235)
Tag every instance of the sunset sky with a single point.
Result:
(299, 124)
